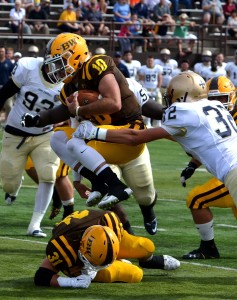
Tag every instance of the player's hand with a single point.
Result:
(29, 120)
(86, 131)
(81, 282)
(187, 173)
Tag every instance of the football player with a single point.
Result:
(168, 64)
(231, 70)
(213, 193)
(91, 245)
(150, 76)
(34, 93)
(68, 60)
(205, 129)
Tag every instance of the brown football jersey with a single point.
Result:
(88, 78)
(62, 249)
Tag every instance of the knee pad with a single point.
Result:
(120, 271)
(10, 177)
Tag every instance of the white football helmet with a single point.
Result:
(185, 87)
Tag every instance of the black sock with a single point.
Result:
(148, 211)
(97, 184)
(57, 203)
(69, 209)
(156, 262)
(109, 177)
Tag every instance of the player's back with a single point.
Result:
(210, 134)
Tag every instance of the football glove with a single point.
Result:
(187, 172)
(79, 282)
(86, 131)
(29, 120)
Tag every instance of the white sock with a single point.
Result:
(42, 199)
(206, 231)
(68, 202)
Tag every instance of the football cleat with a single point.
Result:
(151, 227)
(163, 262)
(203, 253)
(9, 199)
(170, 263)
(54, 212)
(37, 233)
(94, 198)
(109, 200)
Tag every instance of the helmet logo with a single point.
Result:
(88, 246)
(68, 44)
(182, 98)
(85, 101)
(202, 84)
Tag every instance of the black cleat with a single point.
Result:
(203, 252)
(9, 199)
(151, 227)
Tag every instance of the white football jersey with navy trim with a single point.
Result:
(35, 93)
(207, 131)
(150, 76)
(168, 68)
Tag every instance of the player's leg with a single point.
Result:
(138, 175)
(213, 193)
(12, 161)
(46, 164)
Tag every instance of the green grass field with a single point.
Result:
(21, 255)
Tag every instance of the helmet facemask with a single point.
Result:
(58, 67)
(222, 89)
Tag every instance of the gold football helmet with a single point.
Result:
(64, 55)
(99, 247)
(185, 87)
(222, 89)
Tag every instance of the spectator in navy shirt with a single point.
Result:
(141, 9)
(123, 69)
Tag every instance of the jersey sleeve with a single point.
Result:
(19, 73)
(178, 117)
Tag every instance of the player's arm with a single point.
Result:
(52, 116)
(7, 91)
(189, 170)
(46, 275)
(153, 110)
(86, 130)
(109, 104)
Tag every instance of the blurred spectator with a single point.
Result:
(117, 60)
(17, 56)
(38, 14)
(231, 69)
(45, 5)
(228, 7)
(133, 65)
(33, 51)
(148, 33)
(141, 9)
(213, 13)
(103, 6)
(122, 11)
(182, 31)
(123, 37)
(94, 15)
(69, 21)
(162, 27)
(135, 30)
(6, 67)
(9, 54)
(175, 5)
(151, 4)
(232, 24)
(159, 10)
(17, 15)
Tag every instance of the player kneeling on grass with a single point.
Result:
(91, 245)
